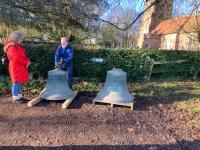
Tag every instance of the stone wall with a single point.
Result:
(188, 41)
(168, 41)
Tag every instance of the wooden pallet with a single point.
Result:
(112, 104)
(64, 105)
(69, 100)
(36, 100)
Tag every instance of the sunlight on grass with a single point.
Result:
(192, 92)
(87, 86)
(167, 88)
(192, 106)
(196, 108)
(197, 91)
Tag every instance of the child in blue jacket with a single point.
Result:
(64, 58)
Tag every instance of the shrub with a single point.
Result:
(134, 62)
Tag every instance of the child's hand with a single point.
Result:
(29, 63)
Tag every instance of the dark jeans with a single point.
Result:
(69, 70)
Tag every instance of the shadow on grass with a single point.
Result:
(142, 102)
(180, 145)
(153, 96)
(160, 90)
(144, 97)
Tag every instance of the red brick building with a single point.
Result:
(180, 33)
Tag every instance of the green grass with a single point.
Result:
(197, 91)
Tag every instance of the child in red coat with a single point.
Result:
(18, 64)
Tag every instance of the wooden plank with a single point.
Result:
(112, 104)
(69, 100)
(34, 101)
(170, 62)
(160, 63)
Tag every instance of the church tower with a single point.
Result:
(153, 16)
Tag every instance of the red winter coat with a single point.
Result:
(18, 62)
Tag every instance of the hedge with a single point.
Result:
(134, 62)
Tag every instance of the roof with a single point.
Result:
(189, 23)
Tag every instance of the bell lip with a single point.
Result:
(42, 96)
(115, 97)
(54, 99)
(113, 101)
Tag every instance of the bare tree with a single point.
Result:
(121, 17)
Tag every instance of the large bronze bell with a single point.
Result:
(57, 86)
(115, 90)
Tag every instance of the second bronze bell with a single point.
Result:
(115, 90)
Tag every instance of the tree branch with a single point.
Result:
(124, 29)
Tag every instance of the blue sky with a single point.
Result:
(126, 4)
(181, 7)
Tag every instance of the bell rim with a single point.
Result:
(59, 99)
